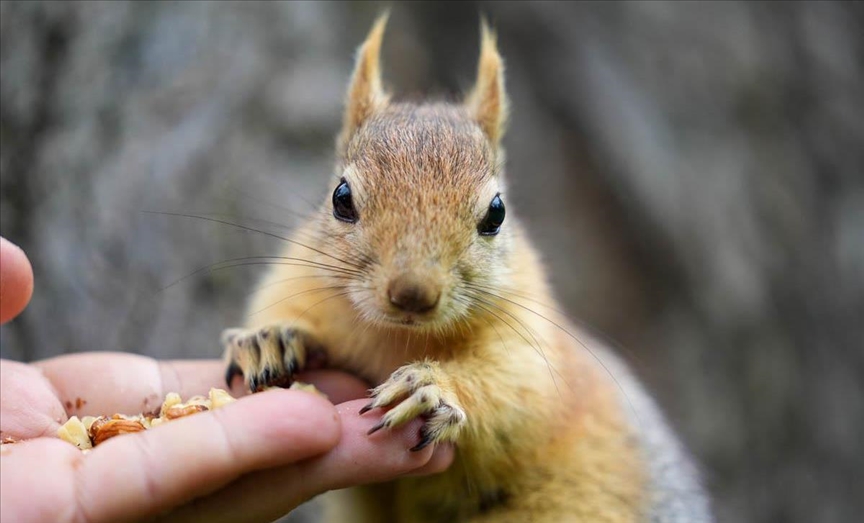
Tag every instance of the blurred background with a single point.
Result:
(692, 172)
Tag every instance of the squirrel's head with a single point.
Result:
(418, 196)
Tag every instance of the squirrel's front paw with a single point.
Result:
(421, 390)
(266, 357)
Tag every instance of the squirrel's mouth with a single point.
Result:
(409, 320)
(406, 321)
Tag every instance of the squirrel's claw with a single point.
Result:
(232, 372)
(266, 357)
(381, 424)
(425, 440)
(419, 390)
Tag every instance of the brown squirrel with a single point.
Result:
(413, 279)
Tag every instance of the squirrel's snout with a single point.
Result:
(411, 294)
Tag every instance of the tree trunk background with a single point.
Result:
(692, 172)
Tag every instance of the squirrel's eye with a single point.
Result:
(491, 223)
(343, 205)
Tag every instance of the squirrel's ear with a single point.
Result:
(487, 101)
(365, 93)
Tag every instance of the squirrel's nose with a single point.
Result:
(411, 294)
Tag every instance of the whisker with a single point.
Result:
(490, 289)
(350, 252)
(488, 322)
(573, 337)
(538, 348)
(257, 199)
(246, 218)
(306, 291)
(295, 232)
(285, 280)
(363, 314)
(338, 294)
(247, 260)
(252, 229)
(596, 331)
(405, 349)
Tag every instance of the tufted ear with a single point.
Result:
(487, 101)
(365, 93)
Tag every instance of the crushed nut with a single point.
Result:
(307, 387)
(88, 422)
(90, 431)
(179, 411)
(219, 397)
(170, 400)
(75, 433)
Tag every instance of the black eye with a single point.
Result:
(343, 205)
(491, 223)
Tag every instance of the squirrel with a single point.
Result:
(417, 277)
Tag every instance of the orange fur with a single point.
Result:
(488, 100)
(367, 93)
(545, 436)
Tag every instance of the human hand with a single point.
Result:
(251, 460)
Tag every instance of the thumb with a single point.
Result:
(16, 280)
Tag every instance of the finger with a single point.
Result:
(16, 280)
(338, 386)
(153, 471)
(366, 459)
(36, 481)
(28, 405)
(98, 383)
(442, 458)
(357, 459)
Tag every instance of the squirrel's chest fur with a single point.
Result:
(532, 451)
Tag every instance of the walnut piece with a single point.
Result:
(102, 429)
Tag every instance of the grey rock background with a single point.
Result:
(693, 172)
